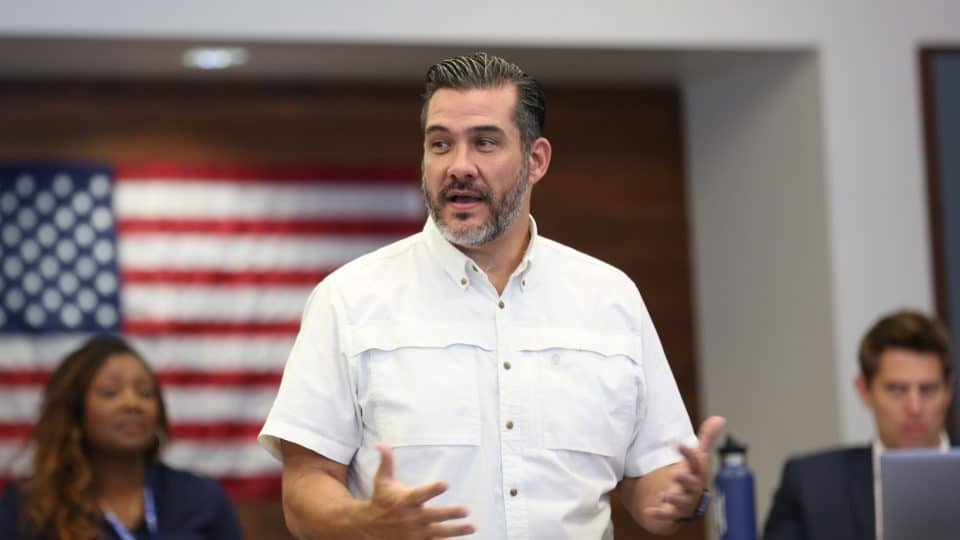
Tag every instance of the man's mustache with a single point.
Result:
(470, 186)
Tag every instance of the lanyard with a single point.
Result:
(149, 515)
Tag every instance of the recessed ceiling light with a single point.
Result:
(215, 57)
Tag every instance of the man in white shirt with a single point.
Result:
(906, 380)
(477, 368)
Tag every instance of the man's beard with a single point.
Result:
(503, 211)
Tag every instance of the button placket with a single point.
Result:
(514, 401)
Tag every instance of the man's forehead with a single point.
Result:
(898, 363)
(449, 104)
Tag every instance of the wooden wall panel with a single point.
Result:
(615, 188)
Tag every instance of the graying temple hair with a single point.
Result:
(482, 70)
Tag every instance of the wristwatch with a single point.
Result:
(700, 510)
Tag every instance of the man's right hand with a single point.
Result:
(396, 512)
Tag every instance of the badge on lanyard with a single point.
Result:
(149, 516)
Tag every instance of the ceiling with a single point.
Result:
(32, 57)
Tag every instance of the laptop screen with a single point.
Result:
(921, 494)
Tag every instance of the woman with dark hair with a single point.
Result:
(95, 470)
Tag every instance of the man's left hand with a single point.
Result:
(689, 478)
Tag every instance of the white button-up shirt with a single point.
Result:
(532, 404)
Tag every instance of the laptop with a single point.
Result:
(921, 494)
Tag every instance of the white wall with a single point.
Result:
(806, 178)
(761, 258)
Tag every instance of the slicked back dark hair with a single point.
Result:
(482, 70)
(905, 329)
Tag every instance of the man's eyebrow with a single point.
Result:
(486, 129)
(475, 129)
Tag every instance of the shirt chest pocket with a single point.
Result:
(589, 389)
(417, 383)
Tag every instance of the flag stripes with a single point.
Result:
(215, 264)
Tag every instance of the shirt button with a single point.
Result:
(513, 492)
(506, 365)
(510, 424)
(463, 281)
(501, 304)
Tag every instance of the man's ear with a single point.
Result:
(863, 390)
(540, 153)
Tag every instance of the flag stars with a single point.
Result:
(46, 235)
(99, 186)
(82, 203)
(8, 203)
(101, 219)
(66, 250)
(14, 300)
(59, 257)
(103, 251)
(62, 185)
(11, 235)
(85, 267)
(49, 267)
(12, 267)
(106, 315)
(87, 299)
(45, 202)
(30, 250)
(32, 283)
(64, 218)
(84, 235)
(106, 283)
(35, 315)
(27, 218)
(68, 283)
(25, 185)
(52, 300)
(71, 316)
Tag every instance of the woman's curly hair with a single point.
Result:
(58, 498)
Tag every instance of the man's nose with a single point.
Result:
(463, 164)
(914, 401)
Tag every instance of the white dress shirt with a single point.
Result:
(532, 405)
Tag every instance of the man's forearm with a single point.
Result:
(317, 506)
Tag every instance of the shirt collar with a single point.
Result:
(461, 268)
(879, 448)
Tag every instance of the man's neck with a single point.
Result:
(942, 442)
(500, 257)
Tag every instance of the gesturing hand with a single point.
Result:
(397, 512)
(690, 476)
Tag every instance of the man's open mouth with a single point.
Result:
(465, 198)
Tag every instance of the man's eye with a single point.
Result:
(897, 390)
(439, 146)
(486, 143)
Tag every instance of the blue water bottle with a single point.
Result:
(735, 511)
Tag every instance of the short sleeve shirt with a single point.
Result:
(531, 404)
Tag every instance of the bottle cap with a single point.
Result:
(731, 446)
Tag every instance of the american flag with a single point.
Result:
(205, 269)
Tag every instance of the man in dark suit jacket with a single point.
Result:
(906, 380)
